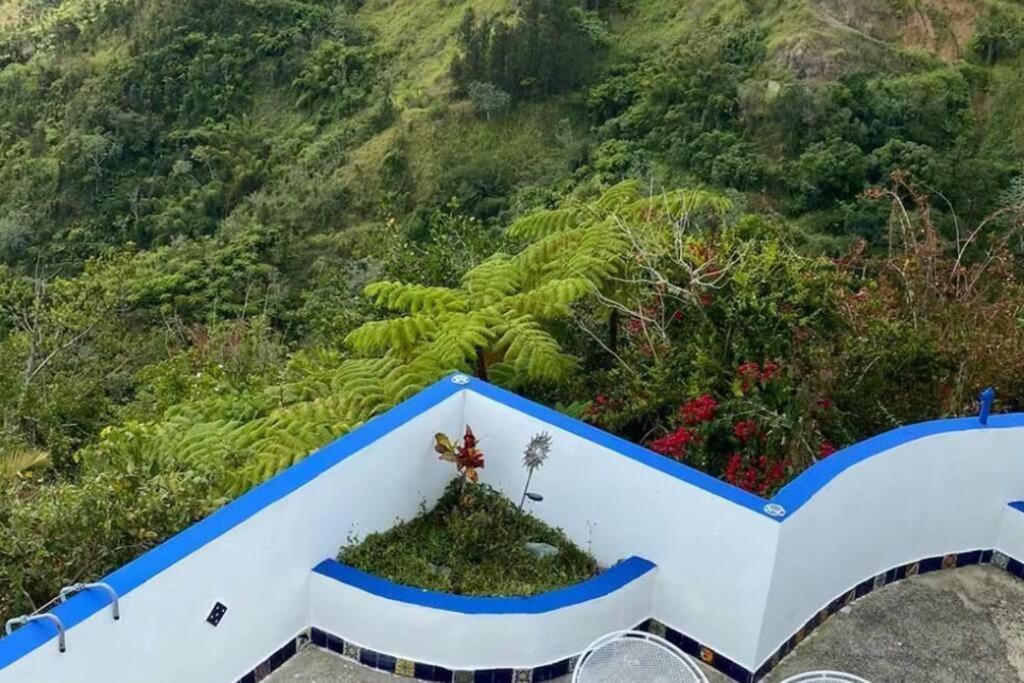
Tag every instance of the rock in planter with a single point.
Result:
(440, 570)
(542, 550)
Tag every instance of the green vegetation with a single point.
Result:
(742, 232)
(472, 548)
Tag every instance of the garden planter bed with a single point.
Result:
(473, 543)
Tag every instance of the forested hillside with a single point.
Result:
(742, 232)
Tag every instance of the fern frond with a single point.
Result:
(551, 299)
(457, 340)
(544, 223)
(617, 196)
(533, 352)
(398, 334)
(492, 280)
(412, 298)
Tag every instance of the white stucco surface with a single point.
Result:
(474, 641)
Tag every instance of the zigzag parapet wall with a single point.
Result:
(733, 578)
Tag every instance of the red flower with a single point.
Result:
(760, 476)
(824, 404)
(749, 374)
(745, 430)
(732, 467)
(770, 372)
(825, 449)
(675, 444)
(700, 409)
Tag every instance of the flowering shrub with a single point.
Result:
(699, 410)
(675, 444)
(759, 475)
(747, 438)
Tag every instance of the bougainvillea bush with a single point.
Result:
(733, 351)
(752, 437)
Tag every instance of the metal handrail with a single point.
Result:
(77, 587)
(22, 620)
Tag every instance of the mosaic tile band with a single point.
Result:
(722, 664)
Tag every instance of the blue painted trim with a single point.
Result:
(1018, 505)
(792, 496)
(132, 575)
(601, 585)
(629, 449)
(797, 492)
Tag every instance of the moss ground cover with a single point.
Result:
(472, 544)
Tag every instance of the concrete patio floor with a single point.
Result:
(955, 626)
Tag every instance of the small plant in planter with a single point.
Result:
(467, 457)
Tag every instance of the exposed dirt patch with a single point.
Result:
(943, 27)
(940, 27)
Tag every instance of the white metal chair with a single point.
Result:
(635, 657)
(825, 677)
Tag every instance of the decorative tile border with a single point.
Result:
(923, 566)
(430, 672)
(274, 661)
(693, 648)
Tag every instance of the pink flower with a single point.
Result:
(749, 374)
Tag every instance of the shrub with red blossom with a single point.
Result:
(675, 444)
(699, 410)
(749, 374)
(745, 431)
(759, 475)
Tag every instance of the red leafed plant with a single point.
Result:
(468, 458)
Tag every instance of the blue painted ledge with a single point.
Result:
(1018, 505)
(140, 570)
(601, 585)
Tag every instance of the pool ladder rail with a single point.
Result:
(65, 593)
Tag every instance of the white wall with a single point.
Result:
(260, 569)
(727, 575)
(474, 641)
(1011, 532)
(714, 557)
(937, 495)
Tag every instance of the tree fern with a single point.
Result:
(498, 315)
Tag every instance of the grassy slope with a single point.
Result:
(813, 38)
(418, 34)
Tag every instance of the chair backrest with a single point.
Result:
(635, 656)
(824, 677)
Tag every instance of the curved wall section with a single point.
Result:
(463, 632)
(940, 494)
